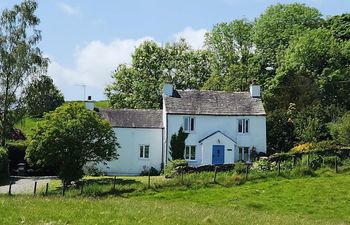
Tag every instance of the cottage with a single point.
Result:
(223, 127)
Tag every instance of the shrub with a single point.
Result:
(240, 167)
(300, 171)
(3, 162)
(301, 148)
(172, 167)
(262, 165)
(153, 172)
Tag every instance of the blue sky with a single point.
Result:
(86, 39)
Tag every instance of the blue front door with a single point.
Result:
(218, 154)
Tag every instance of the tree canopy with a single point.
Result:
(41, 96)
(20, 59)
(69, 138)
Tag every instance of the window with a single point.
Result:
(144, 151)
(243, 153)
(190, 152)
(188, 124)
(243, 126)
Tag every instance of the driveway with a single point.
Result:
(25, 185)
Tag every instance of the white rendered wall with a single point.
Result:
(129, 162)
(206, 125)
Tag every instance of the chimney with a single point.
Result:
(89, 104)
(255, 90)
(168, 89)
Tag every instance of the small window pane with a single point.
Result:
(147, 151)
(240, 124)
(141, 151)
(187, 152)
(192, 124)
(186, 124)
(246, 126)
(193, 152)
(240, 153)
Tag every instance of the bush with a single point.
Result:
(172, 167)
(240, 167)
(153, 172)
(3, 162)
(300, 171)
(262, 166)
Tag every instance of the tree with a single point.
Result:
(341, 130)
(140, 85)
(339, 25)
(41, 96)
(231, 47)
(278, 25)
(177, 145)
(69, 138)
(20, 58)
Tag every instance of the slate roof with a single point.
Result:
(196, 102)
(132, 118)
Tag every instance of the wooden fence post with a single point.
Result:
(149, 179)
(82, 187)
(336, 164)
(215, 173)
(10, 187)
(47, 189)
(64, 188)
(279, 167)
(246, 171)
(35, 184)
(114, 182)
(308, 160)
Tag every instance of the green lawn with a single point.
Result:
(313, 200)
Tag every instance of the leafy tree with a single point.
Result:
(231, 47)
(278, 25)
(341, 130)
(41, 96)
(20, 58)
(339, 25)
(140, 85)
(69, 138)
(177, 145)
(280, 131)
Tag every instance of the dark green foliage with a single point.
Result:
(341, 130)
(240, 167)
(280, 132)
(177, 145)
(41, 96)
(3, 162)
(172, 167)
(303, 171)
(339, 25)
(152, 172)
(70, 137)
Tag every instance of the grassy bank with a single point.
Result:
(311, 200)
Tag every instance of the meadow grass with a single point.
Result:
(324, 199)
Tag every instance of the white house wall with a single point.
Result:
(206, 125)
(129, 161)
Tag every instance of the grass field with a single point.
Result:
(312, 200)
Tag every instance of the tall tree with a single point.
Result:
(339, 25)
(20, 58)
(140, 84)
(41, 96)
(231, 47)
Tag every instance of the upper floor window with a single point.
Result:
(243, 125)
(188, 124)
(144, 152)
(190, 152)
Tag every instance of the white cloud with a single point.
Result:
(68, 9)
(93, 64)
(194, 37)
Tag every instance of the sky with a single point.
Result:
(86, 40)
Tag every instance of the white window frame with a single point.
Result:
(191, 124)
(189, 149)
(242, 150)
(142, 151)
(243, 126)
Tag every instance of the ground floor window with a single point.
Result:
(243, 153)
(190, 152)
(144, 152)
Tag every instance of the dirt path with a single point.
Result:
(25, 185)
